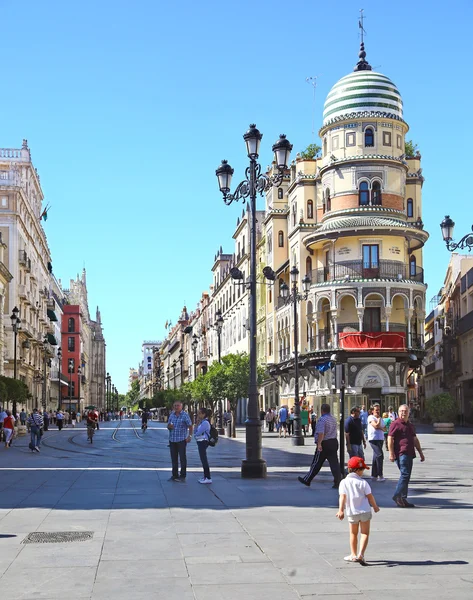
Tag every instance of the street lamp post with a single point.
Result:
(174, 365)
(341, 358)
(447, 226)
(59, 394)
(71, 370)
(79, 375)
(254, 465)
(294, 298)
(16, 326)
(181, 363)
(195, 343)
(108, 380)
(219, 327)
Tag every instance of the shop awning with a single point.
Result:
(52, 315)
(51, 339)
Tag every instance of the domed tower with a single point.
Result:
(368, 291)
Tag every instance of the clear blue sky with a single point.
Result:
(128, 108)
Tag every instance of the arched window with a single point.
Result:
(310, 209)
(364, 194)
(281, 239)
(308, 266)
(280, 193)
(410, 207)
(376, 194)
(328, 200)
(412, 266)
(71, 325)
(369, 137)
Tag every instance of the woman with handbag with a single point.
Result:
(8, 428)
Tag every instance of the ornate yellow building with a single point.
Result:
(352, 221)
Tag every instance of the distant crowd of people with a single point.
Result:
(281, 420)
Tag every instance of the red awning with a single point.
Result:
(387, 340)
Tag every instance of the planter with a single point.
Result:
(444, 427)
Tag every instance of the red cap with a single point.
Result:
(356, 462)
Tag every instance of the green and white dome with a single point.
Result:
(363, 91)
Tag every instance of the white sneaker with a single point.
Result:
(36, 448)
(205, 480)
(381, 478)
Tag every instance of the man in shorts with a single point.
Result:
(282, 416)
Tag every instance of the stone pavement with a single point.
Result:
(251, 539)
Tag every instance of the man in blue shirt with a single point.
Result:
(282, 415)
(364, 420)
(354, 434)
(180, 434)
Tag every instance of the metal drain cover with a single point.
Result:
(57, 537)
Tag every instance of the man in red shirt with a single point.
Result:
(402, 444)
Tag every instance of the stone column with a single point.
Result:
(360, 311)
(387, 314)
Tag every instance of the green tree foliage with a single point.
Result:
(411, 149)
(442, 408)
(133, 395)
(13, 389)
(312, 151)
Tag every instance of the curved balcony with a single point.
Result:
(358, 270)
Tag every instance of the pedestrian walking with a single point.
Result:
(180, 434)
(354, 436)
(144, 420)
(392, 414)
(403, 443)
(23, 417)
(269, 420)
(59, 419)
(202, 436)
(387, 423)
(357, 500)
(73, 418)
(376, 440)
(290, 422)
(313, 420)
(327, 448)
(46, 420)
(282, 418)
(8, 428)
(304, 420)
(364, 420)
(3, 416)
(36, 423)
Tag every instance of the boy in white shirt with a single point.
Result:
(356, 498)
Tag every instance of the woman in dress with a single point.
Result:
(8, 427)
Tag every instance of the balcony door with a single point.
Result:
(372, 319)
(370, 261)
(327, 266)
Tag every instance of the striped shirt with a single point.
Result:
(181, 424)
(35, 419)
(327, 424)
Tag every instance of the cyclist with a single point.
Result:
(144, 420)
(92, 422)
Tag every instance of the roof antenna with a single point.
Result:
(313, 83)
(362, 64)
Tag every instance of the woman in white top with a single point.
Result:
(376, 429)
(202, 436)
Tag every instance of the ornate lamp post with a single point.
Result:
(294, 298)
(219, 327)
(108, 381)
(16, 326)
(255, 183)
(79, 375)
(167, 373)
(174, 365)
(59, 398)
(195, 343)
(447, 226)
(70, 368)
(181, 362)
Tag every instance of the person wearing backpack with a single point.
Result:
(202, 436)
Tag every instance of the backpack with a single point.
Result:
(213, 436)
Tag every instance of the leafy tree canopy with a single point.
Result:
(411, 149)
(312, 151)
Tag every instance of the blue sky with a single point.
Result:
(128, 108)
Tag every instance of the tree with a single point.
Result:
(14, 391)
(312, 151)
(237, 380)
(411, 149)
(133, 395)
(216, 385)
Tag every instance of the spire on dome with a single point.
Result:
(362, 64)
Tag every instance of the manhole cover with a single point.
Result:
(57, 537)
